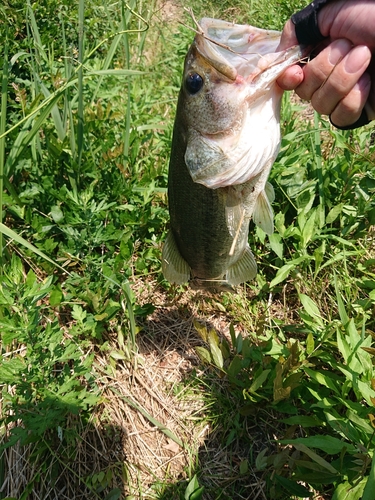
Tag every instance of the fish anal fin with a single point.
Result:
(263, 213)
(244, 269)
(174, 266)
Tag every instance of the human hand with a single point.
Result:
(339, 81)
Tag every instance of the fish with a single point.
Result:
(226, 137)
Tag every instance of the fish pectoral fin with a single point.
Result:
(174, 266)
(263, 213)
(270, 192)
(244, 269)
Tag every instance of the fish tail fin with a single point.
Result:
(244, 269)
(175, 268)
(263, 213)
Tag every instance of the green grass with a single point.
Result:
(88, 95)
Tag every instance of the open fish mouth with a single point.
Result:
(238, 50)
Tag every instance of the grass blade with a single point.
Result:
(80, 126)
(319, 169)
(4, 96)
(150, 418)
(125, 18)
(16, 237)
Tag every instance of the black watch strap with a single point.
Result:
(306, 23)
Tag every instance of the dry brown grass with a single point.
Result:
(154, 423)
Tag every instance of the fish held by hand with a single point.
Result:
(226, 138)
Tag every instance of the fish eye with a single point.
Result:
(194, 83)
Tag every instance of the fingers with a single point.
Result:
(291, 78)
(333, 81)
(350, 107)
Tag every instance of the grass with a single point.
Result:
(115, 384)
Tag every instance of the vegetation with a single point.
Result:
(268, 393)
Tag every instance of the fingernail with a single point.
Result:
(357, 59)
(339, 49)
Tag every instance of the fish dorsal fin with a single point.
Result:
(263, 213)
(174, 267)
(244, 269)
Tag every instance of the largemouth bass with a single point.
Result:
(226, 137)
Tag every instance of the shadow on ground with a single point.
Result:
(223, 442)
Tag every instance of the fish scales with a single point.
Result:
(198, 222)
(226, 137)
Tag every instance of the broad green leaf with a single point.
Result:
(343, 345)
(56, 296)
(344, 428)
(303, 421)
(193, 490)
(282, 274)
(259, 381)
(314, 456)
(201, 329)
(244, 467)
(204, 354)
(57, 214)
(276, 244)
(361, 424)
(239, 343)
(292, 487)
(340, 304)
(366, 390)
(261, 460)
(310, 344)
(368, 493)
(114, 494)
(309, 229)
(347, 491)
(323, 378)
(311, 308)
(319, 256)
(285, 270)
(216, 353)
(232, 335)
(322, 477)
(235, 366)
(326, 443)
(334, 213)
(353, 333)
